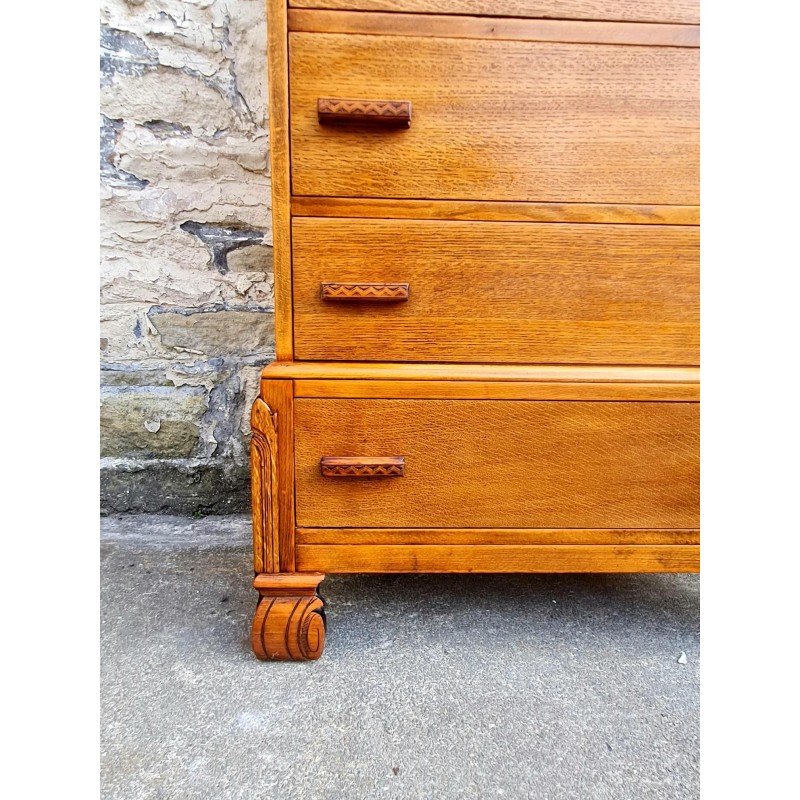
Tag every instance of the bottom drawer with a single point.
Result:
(496, 464)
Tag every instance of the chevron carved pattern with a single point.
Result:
(386, 113)
(370, 292)
(359, 467)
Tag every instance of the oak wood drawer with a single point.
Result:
(495, 291)
(498, 119)
(500, 464)
(682, 11)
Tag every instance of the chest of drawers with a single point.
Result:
(486, 296)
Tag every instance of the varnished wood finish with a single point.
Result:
(488, 211)
(362, 467)
(364, 292)
(502, 292)
(379, 113)
(289, 623)
(277, 51)
(494, 536)
(277, 400)
(530, 240)
(522, 30)
(498, 390)
(499, 558)
(264, 486)
(486, 373)
(627, 134)
(679, 11)
(489, 463)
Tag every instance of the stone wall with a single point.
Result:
(186, 250)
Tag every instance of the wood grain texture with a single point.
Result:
(522, 30)
(499, 558)
(278, 397)
(362, 467)
(679, 11)
(264, 487)
(590, 124)
(489, 373)
(364, 292)
(497, 390)
(289, 623)
(278, 65)
(491, 211)
(489, 463)
(501, 292)
(383, 113)
(493, 536)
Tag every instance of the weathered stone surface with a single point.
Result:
(150, 422)
(214, 332)
(176, 487)
(222, 239)
(186, 256)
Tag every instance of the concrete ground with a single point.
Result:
(546, 687)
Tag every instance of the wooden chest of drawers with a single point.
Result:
(487, 296)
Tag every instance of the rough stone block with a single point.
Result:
(150, 422)
(175, 487)
(216, 331)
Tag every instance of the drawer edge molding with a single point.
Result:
(498, 558)
(496, 28)
(500, 390)
(494, 211)
(382, 371)
(497, 536)
(624, 11)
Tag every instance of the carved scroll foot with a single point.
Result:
(289, 624)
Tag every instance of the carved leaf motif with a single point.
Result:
(264, 475)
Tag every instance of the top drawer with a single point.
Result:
(686, 11)
(498, 119)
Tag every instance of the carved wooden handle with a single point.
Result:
(364, 292)
(380, 113)
(363, 467)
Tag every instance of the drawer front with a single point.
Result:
(497, 120)
(428, 290)
(499, 464)
(682, 11)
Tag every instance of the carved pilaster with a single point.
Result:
(264, 482)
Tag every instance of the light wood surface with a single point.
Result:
(500, 292)
(499, 558)
(522, 30)
(488, 373)
(681, 11)
(489, 463)
(277, 58)
(531, 213)
(498, 390)
(493, 536)
(491, 211)
(588, 123)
